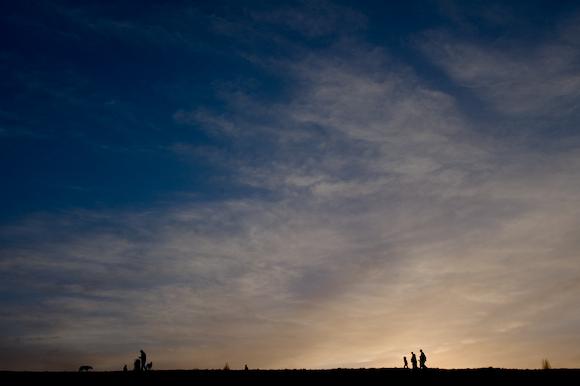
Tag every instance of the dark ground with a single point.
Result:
(492, 377)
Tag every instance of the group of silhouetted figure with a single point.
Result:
(422, 360)
(140, 363)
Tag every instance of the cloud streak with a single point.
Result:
(527, 79)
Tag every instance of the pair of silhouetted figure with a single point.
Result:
(422, 360)
(140, 363)
(138, 366)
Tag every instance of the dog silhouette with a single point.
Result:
(85, 368)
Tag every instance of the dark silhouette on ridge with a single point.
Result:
(143, 358)
(85, 368)
(413, 360)
(137, 365)
(125, 369)
(546, 364)
(405, 363)
(422, 360)
(149, 366)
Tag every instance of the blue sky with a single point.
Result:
(275, 182)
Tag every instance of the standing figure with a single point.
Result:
(125, 369)
(405, 363)
(143, 357)
(422, 360)
(413, 361)
(137, 365)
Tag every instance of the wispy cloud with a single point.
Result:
(513, 76)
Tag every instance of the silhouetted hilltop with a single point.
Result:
(490, 376)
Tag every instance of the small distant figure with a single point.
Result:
(137, 365)
(246, 367)
(405, 363)
(546, 364)
(125, 369)
(85, 368)
(413, 361)
(149, 366)
(143, 357)
(422, 360)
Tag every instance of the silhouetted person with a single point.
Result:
(405, 363)
(125, 369)
(422, 360)
(413, 361)
(149, 366)
(246, 367)
(143, 357)
(137, 365)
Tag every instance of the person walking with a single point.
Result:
(413, 361)
(405, 363)
(422, 360)
(143, 358)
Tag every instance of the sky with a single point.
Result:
(289, 184)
